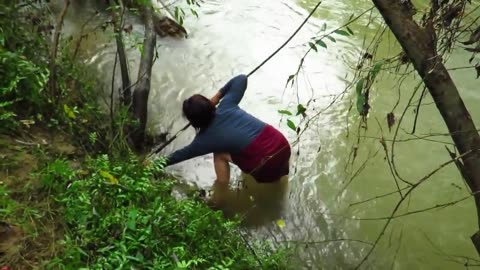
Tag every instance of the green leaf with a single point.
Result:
(360, 103)
(341, 32)
(194, 12)
(281, 223)
(70, 113)
(324, 27)
(351, 17)
(321, 43)
(132, 216)
(312, 46)
(376, 69)
(291, 125)
(290, 78)
(359, 87)
(301, 109)
(109, 177)
(350, 31)
(331, 38)
(285, 112)
(177, 16)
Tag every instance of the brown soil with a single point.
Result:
(29, 227)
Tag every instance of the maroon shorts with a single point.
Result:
(267, 157)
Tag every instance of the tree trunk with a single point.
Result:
(418, 43)
(118, 19)
(140, 95)
(52, 82)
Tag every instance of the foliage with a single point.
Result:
(24, 70)
(118, 217)
(313, 44)
(23, 79)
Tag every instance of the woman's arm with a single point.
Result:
(216, 98)
(195, 149)
(232, 92)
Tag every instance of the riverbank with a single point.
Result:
(73, 193)
(65, 209)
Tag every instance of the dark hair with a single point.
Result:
(199, 111)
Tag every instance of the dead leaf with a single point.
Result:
(367, 56)
(27, 122)
(109, 177)
(281, 223)
(390, 120)
(70, 113)
(451, 14)
(474, 37)
(128, 29)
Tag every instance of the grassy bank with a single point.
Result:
(73, 195)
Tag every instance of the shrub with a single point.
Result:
(118, 217)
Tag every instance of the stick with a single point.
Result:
(165, 144)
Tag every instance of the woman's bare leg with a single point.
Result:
(222, 168)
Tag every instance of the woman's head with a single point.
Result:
(199, 111)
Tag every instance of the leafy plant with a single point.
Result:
(119, 217)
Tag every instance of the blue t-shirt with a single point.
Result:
(231, 131)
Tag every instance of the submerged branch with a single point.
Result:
(327, 241)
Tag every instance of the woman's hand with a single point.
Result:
(216, 98)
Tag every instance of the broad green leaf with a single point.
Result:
(312, 46)
(321, 43)
(341, 32)
(286, 112)
(291, 125)
(359, 87)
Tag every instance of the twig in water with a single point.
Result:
(417, 112)
(327, 241)
(377, 197)
(395, 209)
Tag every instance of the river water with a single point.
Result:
(231, 37)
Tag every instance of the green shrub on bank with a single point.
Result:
(118, 217)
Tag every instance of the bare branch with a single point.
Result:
(54, 50)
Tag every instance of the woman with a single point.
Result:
(233, 135)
